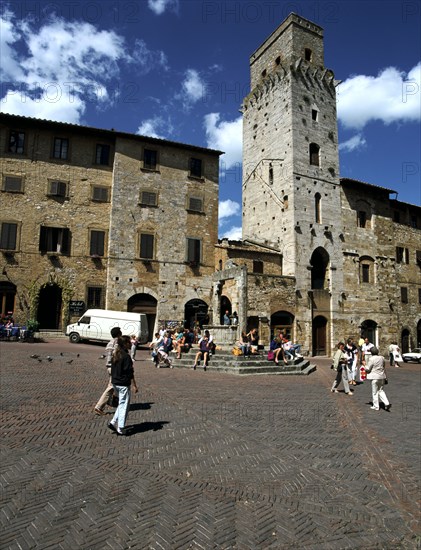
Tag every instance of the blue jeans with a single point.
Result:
(122, 410)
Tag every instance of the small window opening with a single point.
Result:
(308, 54)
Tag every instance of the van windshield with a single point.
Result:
(85, 320)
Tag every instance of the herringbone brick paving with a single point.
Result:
(212, 461)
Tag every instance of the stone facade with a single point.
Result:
(337, 238)
(109, 219)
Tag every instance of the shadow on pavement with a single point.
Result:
(145, 427)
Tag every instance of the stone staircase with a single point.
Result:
(225, 362)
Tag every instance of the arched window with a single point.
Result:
(270, 174)
(314, 154)
(318, 207)
(319, 269)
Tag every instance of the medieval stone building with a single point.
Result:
(350, 256)
(106, 219)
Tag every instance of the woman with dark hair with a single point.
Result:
(122, 377)
(340, 361)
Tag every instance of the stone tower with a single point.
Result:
(291, 192)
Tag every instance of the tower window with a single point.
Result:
(315, 115)
(264, 73)
(257, 266)
(314, 154)
(278, 60)
(317, 207)
(404, 295)
(308, 54)
(271, 175)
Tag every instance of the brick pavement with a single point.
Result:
(213, 461)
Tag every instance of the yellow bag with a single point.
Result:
(237, 351)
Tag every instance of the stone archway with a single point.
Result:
(7, 298)
(319, 269)
(319, 335)
(144, 303)
(369, 330)
(405, 341)
(195, 311)
(281, 320)
(225, 306)
(49, 307)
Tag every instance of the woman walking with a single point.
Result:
(376, 372)
(340, 361)
(122, 377)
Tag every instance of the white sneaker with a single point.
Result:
(374, 408)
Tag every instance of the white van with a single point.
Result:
(96, 324)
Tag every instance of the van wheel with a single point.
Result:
(74, 338)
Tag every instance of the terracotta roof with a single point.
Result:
(349, 181)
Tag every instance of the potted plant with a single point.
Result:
(32, 326)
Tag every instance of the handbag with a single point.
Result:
(237, 351)
(113, 400)
(271, 355)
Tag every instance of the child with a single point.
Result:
(134, 342)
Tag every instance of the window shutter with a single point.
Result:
(12, 184)
(148, 198)
(195, 204)
(193, 250)
(100, 194)
(65, 241)
(146, 246)
(8, 236)
(97, 243)
(58, 188)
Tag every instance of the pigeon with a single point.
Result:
(39, 360)
(34, 356)
(78, 355)
(49, 358)
(69, 362)
(61, 353)
(101, 357)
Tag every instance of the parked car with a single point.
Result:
(414, 355)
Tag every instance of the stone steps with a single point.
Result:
(225, 362)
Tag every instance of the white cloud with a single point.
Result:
(228, 208)
(152, 127)
(352, 144)
(392, 96)
(234, 234)
(63, 65)
(225, 136)
(160, 6)
(50, 105)
(193, 87)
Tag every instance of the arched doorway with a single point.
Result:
(319, 335)
(319, 273)
(405, 341)
(144, 303)
(281, 320)
(369, 330)
(49, 307)
(225, 306)
(7, 297)
(195, 311)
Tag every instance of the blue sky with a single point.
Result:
(179, 69)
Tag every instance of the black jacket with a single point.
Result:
(122, 371)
